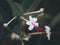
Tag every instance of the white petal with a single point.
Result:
(47, 28)
(30, 18)
(30, 27)
(28, 23)
(34, 20)
(48, 37)
(48, 31)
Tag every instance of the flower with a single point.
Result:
(47, 29)
(31, 22)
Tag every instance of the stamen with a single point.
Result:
(23, 18)
(39, 11)
(6, 24)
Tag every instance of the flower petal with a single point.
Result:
(30, 18)
(30, 27)
(28, 23)
(48, 29)
(34, 20)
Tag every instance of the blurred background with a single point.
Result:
(51, 17)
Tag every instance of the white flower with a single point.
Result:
(48, 31)
(31, 22)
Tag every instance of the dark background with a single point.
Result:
(51, 7)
